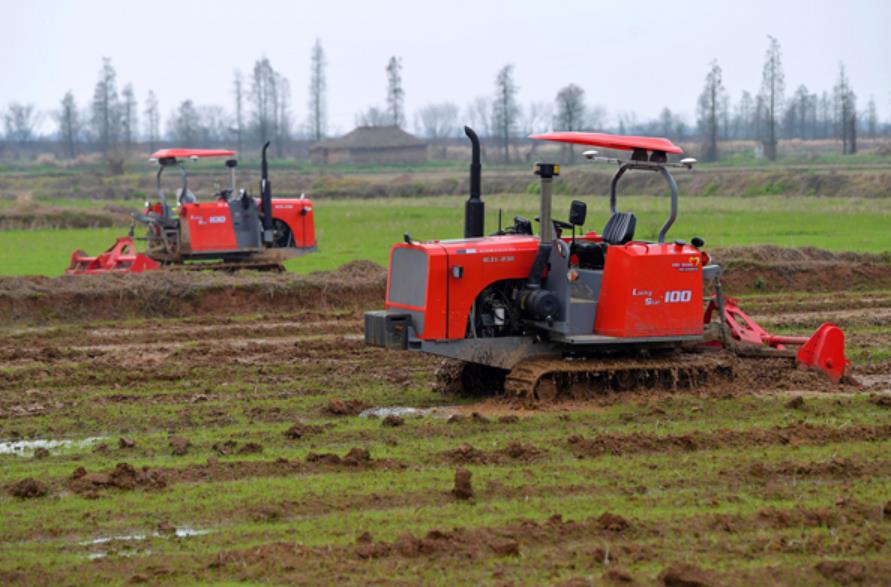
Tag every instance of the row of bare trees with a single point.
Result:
(770, 115)
(112, 123)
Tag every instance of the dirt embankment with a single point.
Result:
(38, 217)
(576, 180)
(361, 285)
(356, 285)
(774, 269)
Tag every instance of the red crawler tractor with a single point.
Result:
(543, 315)
(235, 229)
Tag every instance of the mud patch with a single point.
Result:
(124, 476)
(28, 489)
(789, 435)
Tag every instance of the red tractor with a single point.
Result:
(545, 315)
(234, 228)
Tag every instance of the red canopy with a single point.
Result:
(188, 153)
(597, 139)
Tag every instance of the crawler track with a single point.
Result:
(555, 379)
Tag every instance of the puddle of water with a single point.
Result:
(184, 532)
(102, 554)
(405, 411)
(27, 447)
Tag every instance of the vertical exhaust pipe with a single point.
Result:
(265, 196)
(474, 208)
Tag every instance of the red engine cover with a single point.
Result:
(651, 290)
(297, 214)
(207, 227)
(438, 281)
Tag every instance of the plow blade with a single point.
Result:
(823, 351)
(118, 258)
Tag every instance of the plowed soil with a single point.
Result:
(213, 429)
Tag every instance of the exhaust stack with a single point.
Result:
(265, 196)
(474, 208)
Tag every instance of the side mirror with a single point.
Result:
(577, 213)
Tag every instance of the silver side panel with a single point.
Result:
(408, 277)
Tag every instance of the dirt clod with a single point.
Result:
(165, 528)
(41, 453)
(251, 448)
(509, 419)
(299, 430)
(883, 401)
(844, 572)
(350, 407)
(28, 488)
(796, 403)
(612, 522)
(125, 443)
(393, 420)
(455, 418)
(618, 575)
(686, 575)
(179, 445)
(463, 488)
(507, 547)
(224, 448)
(357, 456)
(479, 418)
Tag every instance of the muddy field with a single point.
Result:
(264, 442)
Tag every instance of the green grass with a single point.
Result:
(365, 229)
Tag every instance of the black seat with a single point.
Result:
(619, 228)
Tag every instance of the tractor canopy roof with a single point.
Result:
(168, 156)
(607, 141)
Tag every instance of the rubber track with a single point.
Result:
(550, 379)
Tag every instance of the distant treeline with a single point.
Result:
(114, 123)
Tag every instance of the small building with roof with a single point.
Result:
(370, 144)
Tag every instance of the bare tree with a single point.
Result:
(264, 98)
(845, 111)
(21, 122)
(374, 116)
(479, 115)
(505, 111)
(152, 120)
(438, 122)
(282, 114)
(596, 117)
(773, 83)
(129, 116)
(570, 114)
(318, 86)
(745, 114)
(238, 93)
(212, 126)
(69, 124)
(871, 118)
(395, 93)
(708, 110)
(185, 123)
(105, 116)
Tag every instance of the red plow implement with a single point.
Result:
(121, 257)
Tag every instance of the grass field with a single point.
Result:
(365, 229)
(749, 488)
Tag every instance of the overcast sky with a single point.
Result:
(628, 56)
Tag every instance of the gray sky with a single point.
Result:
(627, 56)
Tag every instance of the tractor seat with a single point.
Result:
(619, 228)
